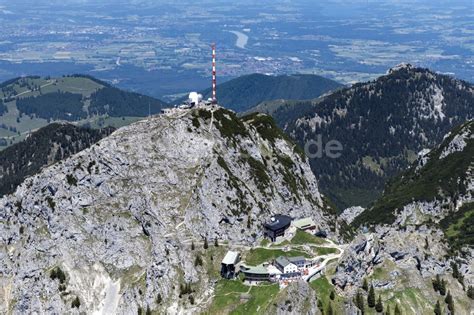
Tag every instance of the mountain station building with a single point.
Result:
(229, 264)
(277, 227)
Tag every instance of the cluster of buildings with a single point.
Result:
(280, 269)
(283, 268)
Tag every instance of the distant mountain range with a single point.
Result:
(32, 102)
(381, 124)
(50, 144)
(247, 91)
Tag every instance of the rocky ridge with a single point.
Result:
(45, 146)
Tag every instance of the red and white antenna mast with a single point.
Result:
(214, 79)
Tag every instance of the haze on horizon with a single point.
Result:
(161, 48)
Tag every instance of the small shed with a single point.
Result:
(305, 224)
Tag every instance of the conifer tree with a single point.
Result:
(470, 292)
(76, 303)
(332, 296)
(371, 297)
(388, 311)
(379, 305)
(359, 302)
(455, 270)
(365, 285)
(442, 288)
(437, 309)
(198, 261)
(436, 283)
(206, 245)
(450, 302)
(397, 310)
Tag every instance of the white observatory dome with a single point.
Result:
(195, 97)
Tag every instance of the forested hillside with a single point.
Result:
(32, 102)
(3, 108)
(50, 144)
(245, 92)
(54, 106)
(381, 124)
(117, 103)
(442, 178)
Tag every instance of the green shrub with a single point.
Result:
(57, 273)
(71, 180)
(76, 303)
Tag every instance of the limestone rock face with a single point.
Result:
(420, 251)
(298, 298)
(118, 218)
(349, 214)
(422, 222)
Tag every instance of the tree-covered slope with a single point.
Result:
(381, 124)
(89, 96)
(3, 108)
(33, 102)
(245, 92)
(117, 103)
(420, 241)
(54, 106)
(440, 185)
(50, 144)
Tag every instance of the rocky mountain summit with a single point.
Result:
(113, 228)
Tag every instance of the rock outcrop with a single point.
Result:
(349, 214)
(297, 299)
